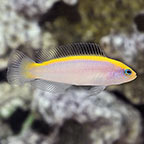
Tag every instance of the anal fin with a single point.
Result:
(96, 90)
(51, 87)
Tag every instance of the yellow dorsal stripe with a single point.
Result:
(83, 57)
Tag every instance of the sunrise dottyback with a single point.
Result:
(80, 64)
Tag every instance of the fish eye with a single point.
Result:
(128, 72)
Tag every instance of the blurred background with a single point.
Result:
(115, 116)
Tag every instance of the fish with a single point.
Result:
(79, 64)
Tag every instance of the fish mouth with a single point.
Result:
(135, 76)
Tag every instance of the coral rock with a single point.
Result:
(106, 118)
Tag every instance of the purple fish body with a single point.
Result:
(76, 72)
(84, 65)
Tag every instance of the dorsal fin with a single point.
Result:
(74, 49)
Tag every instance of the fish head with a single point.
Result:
(123, 74)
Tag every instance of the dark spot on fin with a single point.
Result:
(51, 87)
(74, 49)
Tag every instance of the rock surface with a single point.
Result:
(30, 137)
(75, 117)
(34, 8)
(13, 97)
(15, 29)
(129, 49)
(104, 117)
(72, 118)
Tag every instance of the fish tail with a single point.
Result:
(18, 68)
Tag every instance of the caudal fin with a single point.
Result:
(17, 73)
